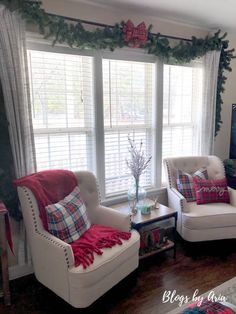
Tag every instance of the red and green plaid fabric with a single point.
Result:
(67, 219)
(211, 191)
(208, 307)
(185, 183)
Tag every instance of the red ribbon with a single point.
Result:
(135, 36)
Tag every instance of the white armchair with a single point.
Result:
(200, 222)
(53, 259)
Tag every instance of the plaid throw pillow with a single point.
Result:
(211, 191)
(185, 183)
(67, 219)
(208, 307)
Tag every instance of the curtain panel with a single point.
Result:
(207, 116)
(14, 79)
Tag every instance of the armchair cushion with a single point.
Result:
(106, 262)
(67, 219)
(211, 191)
(209, 216)
(96, 238)
(185, 182)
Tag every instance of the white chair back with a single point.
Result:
(190, 165)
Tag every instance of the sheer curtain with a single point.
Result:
(14, 80)
(207, 114)
(13, 76)
(189, 101)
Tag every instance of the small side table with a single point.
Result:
(3, 255)
(138, 221)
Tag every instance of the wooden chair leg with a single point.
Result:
(5, 278)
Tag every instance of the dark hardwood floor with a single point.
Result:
(199, 266)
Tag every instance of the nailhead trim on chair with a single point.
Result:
(99, 194)
(181, 200)
(223, 168)
(130, 222)
(41, 234)
(168, 171)
(170, 183)
(32, 209)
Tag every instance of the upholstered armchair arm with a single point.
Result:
(232, 194)
(176, 200)
(111, 217)
(57, 252)
(51, 260)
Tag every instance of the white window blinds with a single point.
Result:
(182, 101)
(62, 108)
(64, 115)
(128, 89)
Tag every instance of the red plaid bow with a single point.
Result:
(135, 36)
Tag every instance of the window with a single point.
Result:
(128, 89)
(62, 108)
(85, 105)
(182, 100)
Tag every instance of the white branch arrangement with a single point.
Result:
(137, 162)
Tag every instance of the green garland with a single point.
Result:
(111, 38)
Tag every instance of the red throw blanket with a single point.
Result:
(93, 240)
(51, 186)
(48, 187)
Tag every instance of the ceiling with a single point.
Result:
(211, 14)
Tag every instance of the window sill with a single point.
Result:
(151, 193)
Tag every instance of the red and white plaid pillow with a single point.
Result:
(185, 183)
(209, 307)
(211, 191)
(67, 219)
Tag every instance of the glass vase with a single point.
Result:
(136, 197)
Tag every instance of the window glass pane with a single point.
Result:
(128, 89)
(62, 108)
(182, 103)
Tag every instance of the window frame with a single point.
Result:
(127, 54)
(147, 129)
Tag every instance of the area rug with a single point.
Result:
(226, 291)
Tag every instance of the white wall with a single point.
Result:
(97, 13)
